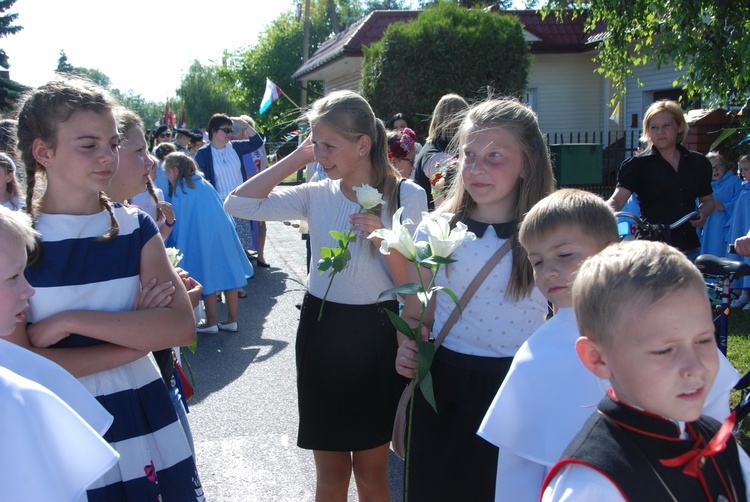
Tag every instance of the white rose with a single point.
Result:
(368, 197)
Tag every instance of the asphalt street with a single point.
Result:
(244, 412)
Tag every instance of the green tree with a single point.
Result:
(10, 91)
(277, 55)
(710, 39)
(203, 93)
(96, 76)
(502, 4)
(371, 5)
(150, 112)
(462, 51)
(63, 65)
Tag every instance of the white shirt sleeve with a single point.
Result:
(518, 479)
(579, 483)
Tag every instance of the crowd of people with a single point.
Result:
(620, 395)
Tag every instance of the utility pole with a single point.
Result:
(305, 52)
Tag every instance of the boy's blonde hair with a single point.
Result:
(626, 277)
(664, 105)
(15, 226)
(570, 207)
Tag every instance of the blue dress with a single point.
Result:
(738, 226)
(714, 236)
(79, 272)
(207, 239)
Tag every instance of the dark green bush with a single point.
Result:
(446, 49)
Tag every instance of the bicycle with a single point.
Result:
(719, 274)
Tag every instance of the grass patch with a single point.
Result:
(738, 353)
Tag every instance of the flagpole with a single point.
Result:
(290, 99)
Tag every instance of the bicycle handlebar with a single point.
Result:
(654, 231)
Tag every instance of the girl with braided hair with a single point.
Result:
(95, 255)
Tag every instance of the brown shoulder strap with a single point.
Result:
(472, 288)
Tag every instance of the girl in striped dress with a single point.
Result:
(94, 257)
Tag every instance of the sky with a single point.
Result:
(141, 45)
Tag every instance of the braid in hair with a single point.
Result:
(152, 193)
(33, 254)
(114, 225)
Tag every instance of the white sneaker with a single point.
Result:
(746, 307)
(202, 328)
(231, 326)
(739, 303)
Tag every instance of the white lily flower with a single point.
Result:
(397, 237)
(368, 197)
(443, 240)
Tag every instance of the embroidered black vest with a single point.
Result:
(627, 445)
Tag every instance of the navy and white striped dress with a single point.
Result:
(78, 272)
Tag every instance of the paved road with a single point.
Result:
(244, 413)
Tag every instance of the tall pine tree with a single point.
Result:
(10, 91)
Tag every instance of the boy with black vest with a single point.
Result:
(646, 326)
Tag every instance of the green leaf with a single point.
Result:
(339, 263)
(424, 297)
(724, 135)
(324, 265)
(326, 252)
(346, 255)
(411, 288)
(339, 236)
(427, 390)
(401, 325)
(423, 250)
(438, 260)
(451, 294)
(425, 354)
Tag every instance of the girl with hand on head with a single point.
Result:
(95, 256)
(504, 169)
(347, 387)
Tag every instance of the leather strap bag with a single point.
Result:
(398, 438)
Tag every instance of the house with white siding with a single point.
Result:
(571, 99)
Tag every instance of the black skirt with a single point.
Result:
(449, 461)
(347, 383)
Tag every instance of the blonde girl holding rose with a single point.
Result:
(504, 169)
(347, 386)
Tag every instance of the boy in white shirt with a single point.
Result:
(549, 394)
(647, 328)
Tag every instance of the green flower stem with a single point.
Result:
(416, 380)
(408, 443)
(333, 274)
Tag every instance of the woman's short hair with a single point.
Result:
(216, 121)
(664, 105)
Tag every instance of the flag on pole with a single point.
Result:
(183, 122)
(169, 119)
(615, 117)
(272, 94)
